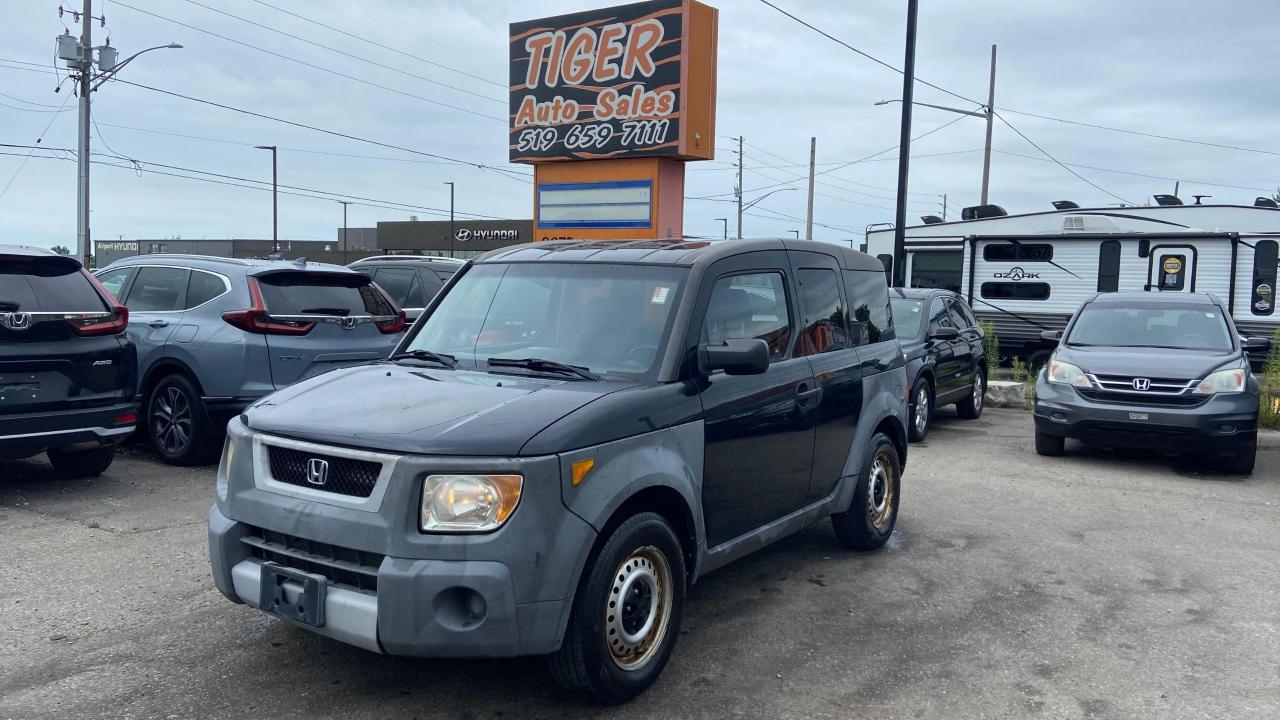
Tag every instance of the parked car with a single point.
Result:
(215, 334)
(67, 369)
(410, 280)
(946, 360)
(572, 433)
(1167, 372)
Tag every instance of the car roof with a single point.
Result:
(434, 263)
(675, 251)
(249, 266)
(921, 293)
(1120, 298)
(28, 251)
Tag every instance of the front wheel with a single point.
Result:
(1241, 462)
(626, 614)
(873, 512)
(76, 464)
(1050, 445)
(970, 408)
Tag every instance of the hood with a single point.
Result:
(1146, 362)
(408, 409)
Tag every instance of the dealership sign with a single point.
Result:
(466, 234)
(628, 81)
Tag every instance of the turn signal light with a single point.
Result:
(256, 319)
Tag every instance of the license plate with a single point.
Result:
(293, 594)
(1138, 416)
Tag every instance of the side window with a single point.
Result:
(938, 316)
(1265, 258)
(823, 308)
(868, 306)
(401, 284)
(965, 312)
(203, 288)
(114, 281)
(430, 285)
(1015, 290)
(1109, 266)
(158, 289)
(749, 306)
(957, 317)
(1018, 252)
(887, 261)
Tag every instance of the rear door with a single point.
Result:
(45, 364)
(155, 298)
(337, 316)
(968, 347)
(949, 367)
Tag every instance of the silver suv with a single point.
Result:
(215, 334)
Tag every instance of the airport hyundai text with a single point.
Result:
(571, 434)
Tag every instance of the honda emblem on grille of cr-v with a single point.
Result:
(17, 321)
(1141, 384)
(317, 471)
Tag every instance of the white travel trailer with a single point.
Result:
(1029, 273)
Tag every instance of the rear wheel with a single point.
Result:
(970, 408)
(178, 426)
(626, 614)
(873, 512)
(921, 410)
(74, 464)
(1050, 445)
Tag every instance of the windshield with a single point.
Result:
(605, 318)
(1185, 327)
(908, 316)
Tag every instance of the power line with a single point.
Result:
(1141, 175)
(29, 102)
(1060, 163)
(313, 65)
(17, 171)
(1139, 133)
(380, 45)
(344, 53)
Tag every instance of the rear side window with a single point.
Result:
(203, 288)
(1015, 290)
(1265, 257)
(824, 314)
(402, 285)
(869, 306)
(749, 306)
(158, 289)
(43, 286)
(303, 293)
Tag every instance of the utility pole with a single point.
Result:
(991, 114)
(726, 227)
(82, 142)
(345, 258)
(739, 187)
(451, 231)
(904, 149)
(944, 206)
(813, 154)
(275, 208)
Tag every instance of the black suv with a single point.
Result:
(1162, 371)
(410, 280)
(67, 370)
(946, 362)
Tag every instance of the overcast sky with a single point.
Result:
(1178, 68)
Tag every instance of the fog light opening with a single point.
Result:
(460, 608)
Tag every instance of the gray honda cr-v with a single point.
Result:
(1160, 371)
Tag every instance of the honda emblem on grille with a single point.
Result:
(17, 321)
(1141, 384)
(317, 471)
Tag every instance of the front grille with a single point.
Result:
(1147, 399)
(343, 475)
(355, 569)
(1123, 383)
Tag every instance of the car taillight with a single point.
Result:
(113, 322)
(393, 326)
(256, 319)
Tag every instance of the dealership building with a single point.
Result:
(460, 239)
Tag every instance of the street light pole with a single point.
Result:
(451, 230)
(904, 148)
(275, 207)
(991, 113)
(345, 258)
(726, 227)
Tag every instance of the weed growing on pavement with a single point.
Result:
(1022, 374)
(1269, 410)
(991, 344)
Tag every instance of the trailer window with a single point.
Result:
(1265, 258)
(1018, 252)
(1109, 266)
(937, 269)
(1015, 291)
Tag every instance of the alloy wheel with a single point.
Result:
(922, 409)
(979, 389)
(171, 420)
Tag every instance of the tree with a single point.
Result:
(62, 249)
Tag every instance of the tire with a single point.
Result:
(76, 464)
(178, 427)
(873, 512)
(1050, 445)
(970, 408)
(594, 658)
(1242, 461)
(922, 392)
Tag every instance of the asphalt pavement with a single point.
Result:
(1097, 585)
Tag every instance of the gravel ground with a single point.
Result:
(1098, 585)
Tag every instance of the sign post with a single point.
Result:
(608, 105)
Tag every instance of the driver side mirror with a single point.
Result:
(1256, 343)
(944, 333)
(1052, 336)
(737, 356)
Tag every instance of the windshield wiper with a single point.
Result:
(448, 361)
(544, 365)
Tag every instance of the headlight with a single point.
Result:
(468, 503)
(1067, 374)
(1222, 381)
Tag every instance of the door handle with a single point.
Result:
(158, 323)
(807, 396)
